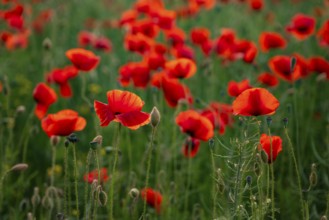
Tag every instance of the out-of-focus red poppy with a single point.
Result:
(271, 40)
(256, 5)
(145, 27)
(63, 123)
(319, 65)
(156, 79)
(61, 77)
(195, 125)
(148, 6)
(187, 11)
(164, 19)
(17, 41)
(123, 107)
(180, 68)
(234, 88)
(82, 59)
(16, 22)
(281, 66)
(323, 34)
(153, 198)
(128, 17)
(224, 42)
(190, 147)
(200, 36)
(271, 145)
(16, 10)
(244, 49)
(301, 26)
(255, 102)
(303, 63)
(268, 79)
(220, 116)
(137, 72)
(208, 4)
(138, 43)
(159, 48)
(86, 38)
(93, 175)
(174, 91)
(183, 51)
(155, 60)
(44, 96)
(5, 35)
(103, 43)
(207, 47)
(41, 20)
(175, 36)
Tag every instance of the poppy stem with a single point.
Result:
(291, 150)
(149, 157)
(187, 187)
(53, 161)
(214, 192)
(86, 181)
(1, 188)
(116, 155)
(76, 181)
(272, 175)
(83, 90)
(66, 185)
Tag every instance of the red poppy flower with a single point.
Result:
(86, 38)
(157, 78)
(147, 6)
(268, 79)
(271, 40)
(191, 147)
(236, 88)
(145, 27)
(180, 68)
(183, 51)
(155, 60)
(281, 66)
(93, 175)
(16, 41)
(256, 4)
(271, 142)
(255, 102)
(323, 34)
(224, 42)
(153, 198)
(195, 125)
(61, 77)
(124, 107)
(208, 4)
(200, 35)
(82, 59)
(220, 115)
(319, 65)
(103, 43)
(138, 43)
(301, 26)
(244, 49)
(63, 123)
(44, 96)
(174, 91)
(137, 72)
(165, 19)
(303, 63)
(128, 17)
(16, 22)
(175, 36)
(207, 47)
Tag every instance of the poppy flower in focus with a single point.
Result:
(281, 66)
(271, 40)
(195, 125)
(63, 123)
(153, 198)
(44, 96)
(323, 34)
(268, 79)
(301, 26)
(174, 91)
(220, 115)
(271, 142)
(236, 88)
(319, 65)
(255, 102)
(191, 147)
(123, 107)
(180, 68)
(200, 35)
(93, 175)
(82, 59)
(137, 72)
(61, 77)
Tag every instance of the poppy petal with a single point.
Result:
(65, 90)
(103, 112)
(41, 110)
(123, 101)
(134, 119)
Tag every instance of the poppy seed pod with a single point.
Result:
(47, 44)
(155, 117)
(54, 140)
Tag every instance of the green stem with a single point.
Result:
(272, 175)
(53, 162)
(1, 188)
(66, 184)
(149, 157)
(76, 181)
(86, 182)
(83, 90)
(297, 171)
(214, 184)
(189, 163)
(116, 155)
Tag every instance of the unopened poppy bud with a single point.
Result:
(285, 122)
(269, 121)
(54, 140)
(66, 143)
(20, 109)
(47, 44)
(35, 200)
(102, 198)
(249, 180)
(19, 167)
(98, 139)
(72, 138)
(30, 216)
(211, 143)
(313, 178)
(292, 64)
(155, 117)
(323, 217)
(134, 193)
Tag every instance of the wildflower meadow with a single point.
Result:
(164, 109)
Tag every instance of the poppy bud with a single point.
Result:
(66, 143)
(47, 44)
(313, 178)
(54, 140)
(35, 200)
(72, 138)
(269, 121)
(134, 193)
(323, 217)
(211, 143)
(20, 109)
(30, 216)
(285, 122)
(155, 117)
(98, 140)
(249, 180)
(19, 167)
